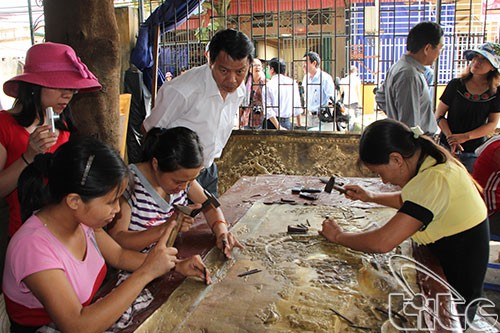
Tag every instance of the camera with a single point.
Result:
(257, 109)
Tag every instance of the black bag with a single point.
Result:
(338, 115)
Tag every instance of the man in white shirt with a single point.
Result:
(318, 85)
(282, 97)
(207, 98)
(350, 89)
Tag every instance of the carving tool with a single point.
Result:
(350, 322)
(250, 272)
(297, 229)
(308, 196)
(205, 274)
(297, 190)
(224, 245)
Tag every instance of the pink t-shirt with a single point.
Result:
(33, 249)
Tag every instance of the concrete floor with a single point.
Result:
(488, 325)
(493, 277)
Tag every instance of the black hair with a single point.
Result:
(278, 65)
(174, 148)
(386, 136)
(422, 34)
(235, 43)
(313, 56)
(29, 101)
(83, 165)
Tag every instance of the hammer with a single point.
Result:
(330, 185)
(211, 200)
(173, 235)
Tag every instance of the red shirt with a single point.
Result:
(487, 173)
(14, 138)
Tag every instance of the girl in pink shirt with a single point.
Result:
(57, 260)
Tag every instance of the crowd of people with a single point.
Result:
(76, 207)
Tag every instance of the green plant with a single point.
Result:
(213, 18)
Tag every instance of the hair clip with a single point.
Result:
(417, 131)
(87, 170)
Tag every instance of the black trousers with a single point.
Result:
(464, 259)
(209, 179)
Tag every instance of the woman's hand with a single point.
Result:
(161, 259)
(40, 141)
(186, 220)
(456, 149)
(226, 241)
(330, 230)
(356, 192)
(193, 266)
(455, 141)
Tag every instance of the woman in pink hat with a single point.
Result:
(52, 75)
(469, 108)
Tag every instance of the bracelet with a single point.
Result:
(24, 159)
(217, 222)
(439, 119)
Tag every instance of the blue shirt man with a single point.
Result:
(318, 85)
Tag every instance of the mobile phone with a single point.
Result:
(51, 117)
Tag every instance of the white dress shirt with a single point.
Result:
(282, 97)
(193, 100)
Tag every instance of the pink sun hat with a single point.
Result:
(53, 65)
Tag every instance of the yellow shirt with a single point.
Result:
(446, 190)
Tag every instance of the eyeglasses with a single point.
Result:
(73, 91)
(66, 90)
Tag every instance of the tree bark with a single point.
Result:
(89, 26)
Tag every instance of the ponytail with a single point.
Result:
(83, 165)
(150, 142)
(32, 189)
(383, 137)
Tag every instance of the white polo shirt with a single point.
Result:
(193, 100)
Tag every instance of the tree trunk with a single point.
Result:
(89, 26)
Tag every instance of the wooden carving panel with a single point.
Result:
(252, 153)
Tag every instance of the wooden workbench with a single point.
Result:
(235, 203)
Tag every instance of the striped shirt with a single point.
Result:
(148, 208)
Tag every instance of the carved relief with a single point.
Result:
(251, 153)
